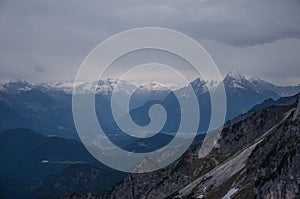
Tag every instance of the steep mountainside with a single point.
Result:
(269, 137)
(272, 170)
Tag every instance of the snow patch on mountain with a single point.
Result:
(235, 75)
(15, 86)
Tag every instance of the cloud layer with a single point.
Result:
(49, 39)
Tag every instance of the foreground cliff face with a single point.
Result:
(273, 169)
(267, 168)
(256, 156)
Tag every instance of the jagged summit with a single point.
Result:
(235, 74)
(234, 79)
(198, 82)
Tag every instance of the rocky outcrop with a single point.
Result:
(272, 170)
(243, 130)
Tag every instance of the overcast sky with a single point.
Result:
(48, 40)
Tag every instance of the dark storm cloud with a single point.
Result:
(59, 34)
(243, 23)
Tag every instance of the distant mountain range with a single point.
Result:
(106, 87)
(244, 162)
(46, 108)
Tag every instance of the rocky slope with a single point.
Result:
(268, 168)
(269, 137)
(272, 170)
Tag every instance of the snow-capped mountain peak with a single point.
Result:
(235, 74)
(16, 86)
(66, 86)
(234, 79)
